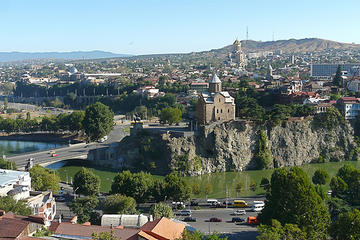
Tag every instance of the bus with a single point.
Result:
(239, 203)
(212, 202)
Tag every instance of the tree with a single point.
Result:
(177, 188)
(43, 179)
(86, 182)
(170, 115)
(276, 231)
(7, 164)
(265, 183)
(160, 210)
(137, 185)
(330, 119)
(98, 121)
(338, 187)
(208, 189)
(6, 103)
(238, 188)
(196, 189)
(347, 226)
(292, 199)
(119, 204)
(195, 235)
(158, 190)
(263, 157)
(75, 119)
(337, 80)
(83, 207)
(253, 186)
(320, 177)
(9, 204)
(103, 236)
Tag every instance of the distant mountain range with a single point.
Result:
(77, 55)
(291, 45)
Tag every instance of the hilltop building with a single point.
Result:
(215, 104)
(237, 57)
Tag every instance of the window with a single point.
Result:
(219, 100)
(228, 110)
(221, 110)
(217, 110)
(219, 118)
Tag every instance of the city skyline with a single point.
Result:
(155, 26)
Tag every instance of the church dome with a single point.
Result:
(215, 79)
(73, 70)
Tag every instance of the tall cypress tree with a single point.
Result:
(337, 81)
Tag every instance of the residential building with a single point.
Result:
(354, 86)
(349, 106)
(215, 105)
(43, 204)
(160, 229)
(18, 227)
(15, 183)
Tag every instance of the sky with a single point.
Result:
(169, 26)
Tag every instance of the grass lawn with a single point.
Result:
(218, 181)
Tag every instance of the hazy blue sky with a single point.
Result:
(159, 26)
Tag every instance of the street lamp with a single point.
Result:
(75, 192)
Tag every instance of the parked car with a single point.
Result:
(229, 203)
(184, 213)
(215, 219)
(52, 152)
(252, 221)
(194, 202)
(237, 219)
(189, 219)
(54, 155)
(60, 199)
(240, 212)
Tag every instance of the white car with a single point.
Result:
(240, 212)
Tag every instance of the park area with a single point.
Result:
(215, 183)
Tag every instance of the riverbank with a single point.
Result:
(219, 182)
(42, 137)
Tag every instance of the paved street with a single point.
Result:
(202, 223)
(70, 152)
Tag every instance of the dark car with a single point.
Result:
(194, 203)
(189, 219)
(215, 219)
(237, 219)
(60, 199)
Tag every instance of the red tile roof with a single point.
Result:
(163, 229)
(70, 229)
(12, 228)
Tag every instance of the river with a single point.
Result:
(11, 147)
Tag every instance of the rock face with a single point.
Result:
(231, 146)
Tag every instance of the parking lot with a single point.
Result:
(226, 227)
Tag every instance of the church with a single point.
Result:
(215, 105)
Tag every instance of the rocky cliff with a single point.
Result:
(232, 145)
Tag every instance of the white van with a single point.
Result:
(212, 202)
(258, 207)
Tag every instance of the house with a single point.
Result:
(215, 105)
(161, 229)
(72, 231)
(15, 183)
(18, 227)
(43, 204)
(349, 106)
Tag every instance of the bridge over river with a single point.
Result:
(75, 151)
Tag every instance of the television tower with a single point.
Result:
(247, 33)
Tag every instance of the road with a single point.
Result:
(76, 151)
